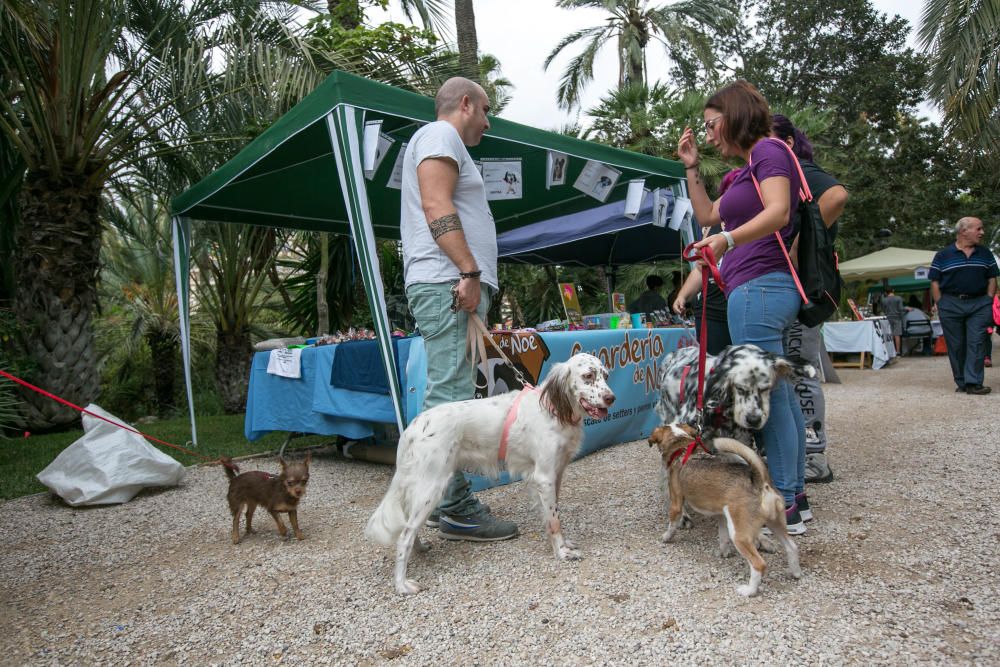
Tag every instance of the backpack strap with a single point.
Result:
(804, 193)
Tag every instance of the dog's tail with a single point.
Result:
(758, 471)
(389, 518)
(232, 470)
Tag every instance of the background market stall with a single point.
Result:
(331, 164)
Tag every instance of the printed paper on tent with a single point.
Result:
(661, 204)
(634, 197)
(502, 179)
(597, 180)
(682, 214)
(556, 166)
(376, 146)
(396, 177)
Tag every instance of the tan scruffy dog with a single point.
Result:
(733, 486)
(275, 493)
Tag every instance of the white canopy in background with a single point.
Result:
(887, 263)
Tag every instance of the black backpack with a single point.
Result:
(818, 267)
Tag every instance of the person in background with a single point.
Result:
(799, 340)
(675, 286)
(762, 298)
(717, 324)
(450, 252)
(916, 318)
(963, 282)
(892, 306)
(651, 300)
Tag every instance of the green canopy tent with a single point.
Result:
(307, 172)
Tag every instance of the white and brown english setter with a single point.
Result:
(465, 435)
(738, 384)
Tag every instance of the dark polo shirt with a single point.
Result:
(958, 274)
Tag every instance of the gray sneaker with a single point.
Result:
(817, 469)
(479, 527)
(434, 520)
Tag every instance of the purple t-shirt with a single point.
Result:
(741, 203)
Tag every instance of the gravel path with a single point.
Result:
(900, 566)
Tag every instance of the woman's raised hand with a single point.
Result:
(687, 148)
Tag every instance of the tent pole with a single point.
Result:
(612, 273)
(344, 127)
(181, 228)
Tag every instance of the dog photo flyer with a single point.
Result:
(682, 213)
(376, 145)
(634, 197)
(661, 207)
(597, 180)
(396, 177)
(555, 168)
(502, 179)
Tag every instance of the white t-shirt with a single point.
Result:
(423, 259)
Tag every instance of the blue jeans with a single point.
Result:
(759, 313)
(449, 371)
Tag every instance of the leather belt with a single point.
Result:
(966, 296)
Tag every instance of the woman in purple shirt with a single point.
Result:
(762, 298)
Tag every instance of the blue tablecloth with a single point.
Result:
(311, 405)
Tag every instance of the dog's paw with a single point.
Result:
(746, 590)
(568, 552)
(766, 545)
(408, 587)
(724, 552)
(299, 535)
(668, 535)
(687, 523)
(421, 546)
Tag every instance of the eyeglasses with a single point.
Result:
(710, 124)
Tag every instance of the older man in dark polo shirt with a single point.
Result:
(963, 281)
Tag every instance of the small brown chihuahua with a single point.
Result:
(276, 493)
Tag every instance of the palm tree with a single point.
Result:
(963, 39)
(631, 25)
(136, 273)
(467, 40)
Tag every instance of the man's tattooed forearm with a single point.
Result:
(445, 224)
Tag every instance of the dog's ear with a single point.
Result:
(793, 368)
(557, 391)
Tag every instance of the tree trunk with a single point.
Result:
(322, 276)
(233, 358)
(163, 351)
(58, 245)
(468, 43)
(346, 12)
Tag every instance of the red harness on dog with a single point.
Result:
(706, 255)
(509, 420)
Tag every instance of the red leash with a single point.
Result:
(88, 412)
(707, 256)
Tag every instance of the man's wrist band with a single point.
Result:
(470, 274)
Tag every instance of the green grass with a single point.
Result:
(23, 458)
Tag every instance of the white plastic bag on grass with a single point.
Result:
(108, 465)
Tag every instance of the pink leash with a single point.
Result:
(510, 419)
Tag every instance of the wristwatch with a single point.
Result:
(730, 243)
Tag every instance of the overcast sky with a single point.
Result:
(521, 33)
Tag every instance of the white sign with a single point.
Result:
(396, 178)
(683, 212)
(634, 197)
(377, 145)
(661, 204)
(597, 180)
(556, 166)
(921, 273)
(502, 179)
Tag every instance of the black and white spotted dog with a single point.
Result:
(738, 384)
